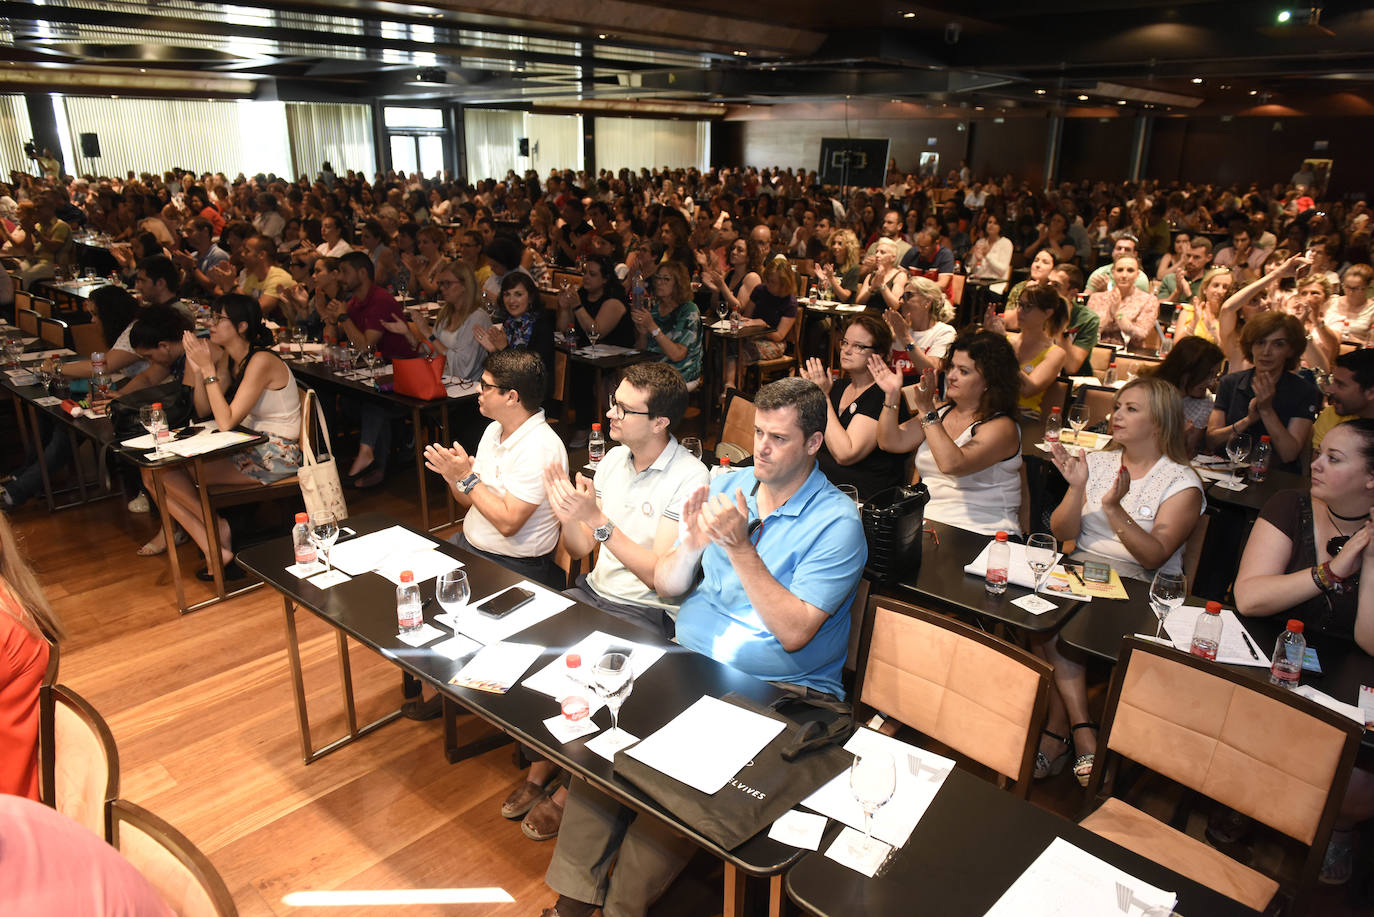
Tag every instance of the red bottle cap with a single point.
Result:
(1002, 536)
(1214, 608)
(1055, 410)
(407, 576)
(302, 517)
(596, 426)
(1295, 625)
(574, 660)
(725, 461)
(157, 405)
(1264, 439)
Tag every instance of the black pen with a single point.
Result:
(1074, 571)
(1249, 642)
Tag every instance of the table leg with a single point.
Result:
(734, 892)
(211, 529)
(42, 457)
(453, 752)
(346, 679)
(777, 898)
(160, 495)
(417, 432)
(21, 423)
(293, 656)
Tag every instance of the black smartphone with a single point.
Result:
(188, 432)
(503, 603)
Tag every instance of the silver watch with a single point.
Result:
(466, 485)
(930, 417)
(603, 533)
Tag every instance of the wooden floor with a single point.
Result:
(200, 706)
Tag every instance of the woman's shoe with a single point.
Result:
(232, 573)
(1046, 766)
(1339, 863)
(371, 479)
(1083, 764)
(153, 549)
(417, 709)
(351, 479)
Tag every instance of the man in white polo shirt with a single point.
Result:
(632, 507)
(509, 520)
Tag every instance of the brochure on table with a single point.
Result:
(1065, 881)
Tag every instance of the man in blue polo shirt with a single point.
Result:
(781, 552)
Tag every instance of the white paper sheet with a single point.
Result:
(552, 679)
(496, 668)
(146, 440)
(920, 774)
(1019, 572)
(1236, 644)
(205, 442)
(365, 553)
(46, 354)
(47, 401)
(425, 565)
(604, 350)
(707, 744)
(459, 389)
(856, 851)
(332, 578)
(1326, 700)
(456, 647)
(417, 638)
(545, 604)
(1065, 881)
(301, 571)
(610, 742)
(565, 730)
(1035, 604)
(799, 829)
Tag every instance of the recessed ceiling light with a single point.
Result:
(909, 14)
(1120, 101)
(1197, 80)
(739, 53)
(1039, 92)
(1254, 92)
(1082, 98)
(142, 70)
(602, 36)
(1284, 15)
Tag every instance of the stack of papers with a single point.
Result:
(553, 679)
(604, 350)
(496, 668)
(707, 744)
(457, 388)
(1237, 646)
(205, 442)
(484, 629)
(1019, 572)
(1065, 881)
(1059, 582)
(371, 552)
(920, 774)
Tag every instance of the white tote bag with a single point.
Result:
(319, 477)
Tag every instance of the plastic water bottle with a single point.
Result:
(596, 445)
(736, 320)
(301, 544)
(723, 467)
(100, 391)
(1166, 345)
(164, 431)
(1286, 668)
(410, 613)
(97, 363)
(999, 558)
(1110, 377)
(1207, 632)
(637, 292)
(575, 706)
(1260, 459)
(1053, 424)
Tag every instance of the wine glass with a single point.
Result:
(1167, 592)
(723, 310)
(42, 376)
(298, 337)
(612, 680)
(1126, 338)
(370, 357)
(153, 420)
(1078, 419)
(873, 780)
(1040, 550)
(849, 490)
(324, 531)
(593, 335)
(692, 445)
(453, 594)
(1237, 449)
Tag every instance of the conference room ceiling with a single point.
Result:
(980, 55)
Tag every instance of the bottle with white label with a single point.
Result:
(1286, 668)
(410, 613)
(1053, 424)
(301, 544)
(999, 559)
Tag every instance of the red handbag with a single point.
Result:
(420, 377)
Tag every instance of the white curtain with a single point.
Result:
(493, 140)
(15, 131)
(152, 135)
(323, 132)
(645, 143)
(555, 142)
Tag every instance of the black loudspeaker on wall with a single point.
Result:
(524, 146)
(90, 146)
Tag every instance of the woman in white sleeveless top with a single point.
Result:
(238, 382)
(968, 450)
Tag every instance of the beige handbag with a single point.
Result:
(319, 477)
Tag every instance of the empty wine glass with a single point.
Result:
(1126, 338)
(370, 357)
(723, 310)
(692, 445)
(324, 531)
(1040, 550)
(872, 780)
(612, 680)
(1237, 449)
(1078, 419)
(153, 419)
(298, 337)
(849, 490)
(593, 335)
(1167, 592)
(453, 593)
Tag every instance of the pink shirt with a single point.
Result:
(1138, 313)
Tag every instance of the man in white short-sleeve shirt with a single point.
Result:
(632, 506)
(509, 519)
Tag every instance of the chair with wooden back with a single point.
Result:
(1217, 732)
(53, 331)
(27, 320)
(88, 337)
(1192, 549)
(1099, 401)
(226, 495)
(1134, 365)
(738, 428)
(43, 307)
(966, 689)
(1101, 358)
(764, 371)
(184, 876)
(22, 300)
(956, 288)
(80, 760)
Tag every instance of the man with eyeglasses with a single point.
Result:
(780, 552)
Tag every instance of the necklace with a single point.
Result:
(1333, 547)
(1337, 515)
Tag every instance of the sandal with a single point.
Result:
(153, 549)
(1339, 863)
(1046, 766)
(1083, 764)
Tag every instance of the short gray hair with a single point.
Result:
(799, 393)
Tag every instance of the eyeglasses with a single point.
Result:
(450, 281)
(663, 278)
(850, 345)
(484, 384)
(217, 317)
(616, 408)
(755, 532)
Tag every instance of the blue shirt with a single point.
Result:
(814, 546)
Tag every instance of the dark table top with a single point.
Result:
(971, 845)
(316, 371)
(1252, 499)
(943, 585)
(364, 608)
(98, 429)
(605, 360)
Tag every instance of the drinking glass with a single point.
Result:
(612, 679)
(370, 357)
(42, 376)
(1167, 592)
(723, 310)
(324, 531)
(1078, 419)
(593, 335)
(1040, 549)
(1237, 449)
(453, 593)
(1126, 339)
(692, 445)
(14, 349)
(153, 420)
(298, 338)
(849, 490)
(873, 780)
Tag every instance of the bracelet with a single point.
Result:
(209, 379)
(891, 407)
(1326, 580)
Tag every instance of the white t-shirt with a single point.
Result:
(934, 341)
(986, 502)
(339, 249)
(1142, 501)
(516, 467)
(1355, 328)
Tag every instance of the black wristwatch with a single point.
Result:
(929, 418)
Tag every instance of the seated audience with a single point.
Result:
(1351, 313)
(772, 303)
(1083, 330)
(522, 322)
(1202, 316)
(1125, 312)
(1040, 268)
(1349, 393)
(454, 333)
(885, 285)
(1041, 314)
(968, 450)
(920, 327)
(669, 323)
(841, 275)
(1193, 367)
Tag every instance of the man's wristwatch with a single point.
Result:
(466, 485)
(930, 417)
(603, 533)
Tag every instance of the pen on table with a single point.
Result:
(1249, 642)
(1074, 571)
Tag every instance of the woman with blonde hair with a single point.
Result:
(1202, 316)
(888, 281)
(28, 627)
(460, 314)
(920, 328)
(1132, 505)
(842, 276)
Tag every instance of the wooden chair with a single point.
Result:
(43, 307)
(1192, 549)
(1217, 732)
(764, 371)
(226, 495)
(27, 320)
(184, 876)
(1101, 358)
(88, 337)
(53, 331)
(80, 760)
(956, 288)
(1134, 365)
(975, 693)
(22, 300)
(738, 428)
(557, 277)
(1099, 401)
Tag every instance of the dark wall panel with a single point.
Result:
(1092, 149)
(1015, 146)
